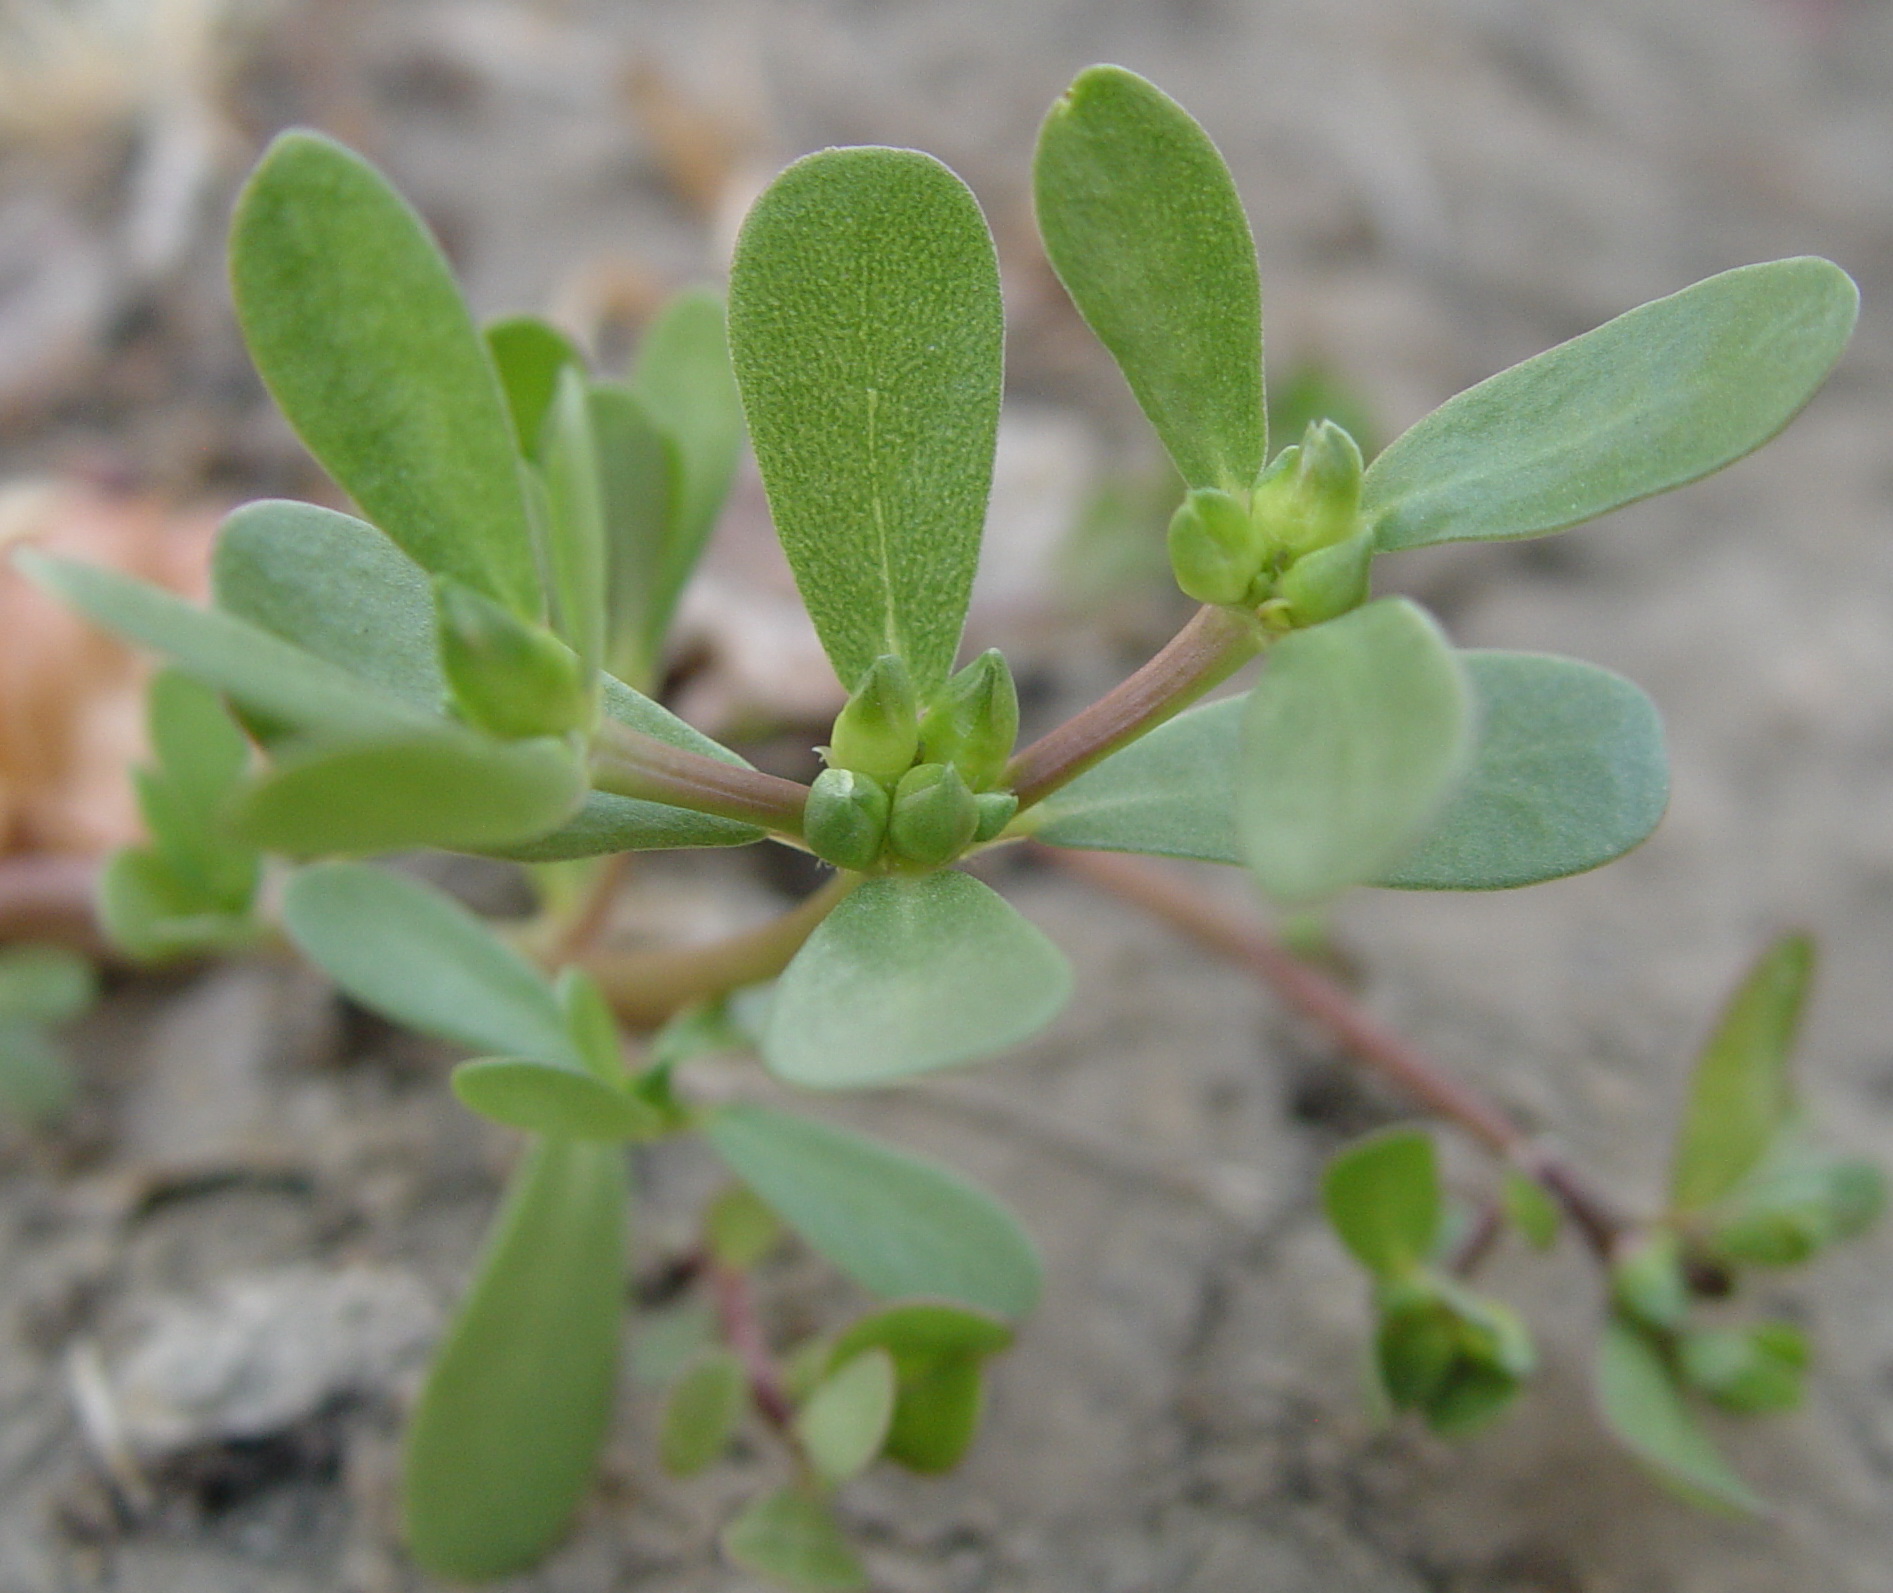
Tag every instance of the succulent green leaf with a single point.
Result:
(1647, 1283)
(791, 1537)
(443, 788)
(669, 1339)
(918, 1333)
(895, 1224)
(1655, 399)
(592, 1025)
(198, 746)
(740, 1228)
(1748, 1370)
(866, 329)
(1353, 739)
(1383, 1198)
(1142, 222)
(908, 975)
(1568, 773)
(262, 673)
(1530, 1210)
(353, 319)
(148, 912)
(1740, 1095)
(44, 984)
(846, 1419)
(528, 355)
(545, 1099)
(575, 556)
(36, 1085)
(502, 1444)
(938, 1353)
(683, 376)
(1645, 1409)
(414, 954)
(335, 586)
(638, 481)
(1800, 1199)
(702, 1414)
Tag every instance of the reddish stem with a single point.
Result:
(1370, 1042)
(742, 1331)
(48, 896)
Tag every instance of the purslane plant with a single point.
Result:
(468, 666)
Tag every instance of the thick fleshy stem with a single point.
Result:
(1370, 1042)
(1208, 650)
(629, 763)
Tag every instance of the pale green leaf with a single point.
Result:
(907, 975)
(528, 355)
(445, 788)
(920, 1333)
(545, 1099)
(353, 319)
(1644, 1408)
(337, 587)
(414, 954)
(262, 673)
(895, 1224)
(501, 1447)
(1740, 1096)
(866, 332)
(1568, 773)
(574, 539)
(639, 484)
(1530, 1210)
(846, 1419)
(1657, 398)
(1383, 1198)
(1143, 224)
(36, 1085)
(702, 1413)
(148, 912)
(1353, 739)
(684, 378)
(791, 1537)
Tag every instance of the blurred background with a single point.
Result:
(1439, 188)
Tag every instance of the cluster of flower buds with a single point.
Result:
(1295, 552)
(1454, 1356)
(507, 676)
(913, 782)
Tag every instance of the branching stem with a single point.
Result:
(629, 763)
(1370, 1042)
(1209, 649)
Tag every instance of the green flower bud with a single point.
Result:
(1746, 1370)
(934, 816)
(973, 721)
(1647, 1282)
(1452, 1355)
(996, 811)
(1787, 1212)
(1214, 547)
(1326, 583)
(845, 818)
(877, 732)
(508, 677)
(1310, 495)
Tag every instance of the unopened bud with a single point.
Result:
(1647, 1282)
(934, 815)
(996, 811)
(845, 818)
(1310, 495)
(973, 721)
(1456, 1357)
(508, 677)
(1214, 548)
(878, 730)
(1328, 582)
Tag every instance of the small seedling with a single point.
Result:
(469, 666)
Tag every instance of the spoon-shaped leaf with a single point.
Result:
(791, 1537)
(414, 954)
(1642, 1405)
(846, 1419)
(1569, 772)
(895, 1224)
(544, 1099)
(443, 787)
(1382, 1196)
(1142, 222)
(528, 355)
(1740, 1096)
(1352, 741)
(1657, 398)
(907, 975)
(865, 327)
(356, 326)
(502, 1444)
